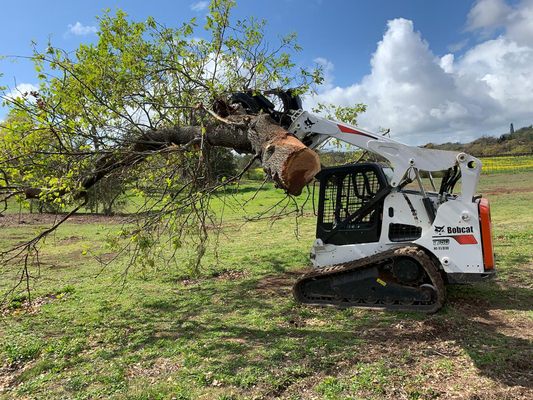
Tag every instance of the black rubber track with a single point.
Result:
(416, 253)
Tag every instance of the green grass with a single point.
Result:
(240, 335)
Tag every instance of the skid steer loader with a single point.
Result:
(382, 239)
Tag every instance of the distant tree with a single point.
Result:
(221, 164)
(107, 196)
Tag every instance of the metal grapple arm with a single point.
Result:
(313, 130)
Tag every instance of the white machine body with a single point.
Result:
(455, 233)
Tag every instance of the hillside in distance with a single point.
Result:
(519, 142)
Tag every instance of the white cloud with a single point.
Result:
(505, 69)
(327, 70)
(487, 14)
(454, 47)
(423, 97)
(446, 63)
(517, 21)
(21, 90)
(79, 29)
(520, 25)
(199, 6)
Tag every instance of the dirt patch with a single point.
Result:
(488, 356)
(6, 377)
(227, 275)
(105, 258)
(230, 275)
(69, 240)
(493, 191)
(504, 322)
(439, 353)
(153, 371)
(48, 219)
(520, 276)
(9, 375)
(483, 350)
(280, 284)
(32, 307)
(68, 260)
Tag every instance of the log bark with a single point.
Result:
(286, 160)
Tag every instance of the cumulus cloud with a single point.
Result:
(423, 97)
(79, 29)
(199, 6)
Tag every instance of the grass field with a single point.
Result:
(238, 334)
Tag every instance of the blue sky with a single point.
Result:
(426, 69)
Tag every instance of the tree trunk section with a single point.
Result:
(286, 160)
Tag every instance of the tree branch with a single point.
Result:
(289, 163)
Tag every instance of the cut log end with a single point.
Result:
(300, 169)
(290, 163)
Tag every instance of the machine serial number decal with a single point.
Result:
(441, 244)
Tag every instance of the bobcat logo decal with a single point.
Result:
(439, 229)
(308, 123)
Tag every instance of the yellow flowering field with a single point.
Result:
(492, 165)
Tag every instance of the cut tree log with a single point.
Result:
(290, 163)
(286, 160)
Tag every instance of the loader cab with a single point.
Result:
(350, 204)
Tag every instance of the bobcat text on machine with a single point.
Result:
(380, 242)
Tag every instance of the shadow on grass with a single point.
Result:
(485, 321)
(220, 324)
(249, 332)
(518, 259)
